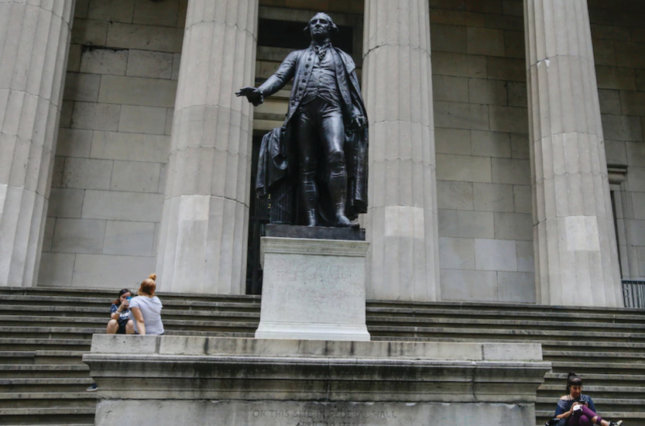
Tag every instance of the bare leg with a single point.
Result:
(129, 327)
(112, 326)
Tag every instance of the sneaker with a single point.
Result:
(618, 423)
(93, 387)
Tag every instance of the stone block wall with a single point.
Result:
(109, 172)
(483, 169)
(108, 182)
(619, 50)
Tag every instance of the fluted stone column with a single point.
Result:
(202, 245)
(402, 214)
(34, 41)
(574, 240)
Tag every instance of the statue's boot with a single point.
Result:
(309, 197)
(338, 193)
(310, 217)
(341, 219)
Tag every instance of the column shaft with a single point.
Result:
(202, 245)
(402, 214)
(574, 239)
(34, 41)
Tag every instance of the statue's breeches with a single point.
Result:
(320, 122)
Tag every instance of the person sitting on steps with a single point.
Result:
(120, 315)
(577, 409)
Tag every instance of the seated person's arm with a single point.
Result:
(138, 317)
(115, 314)
(561, 411)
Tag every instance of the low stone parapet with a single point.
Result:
(159, 380)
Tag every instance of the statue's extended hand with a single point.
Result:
(252, 94)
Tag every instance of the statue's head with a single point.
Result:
(321, 26)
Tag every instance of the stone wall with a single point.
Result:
(107, 189)
(619, 49)
(108, 182)
(483, 170)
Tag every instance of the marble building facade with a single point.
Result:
(507, 150)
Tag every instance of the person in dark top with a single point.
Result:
(577, 409)
(120, 315)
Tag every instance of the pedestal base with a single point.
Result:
(313, 289)
(169, 380)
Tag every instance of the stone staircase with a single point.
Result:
(44, 332)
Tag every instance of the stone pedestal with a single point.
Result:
(576, 259)
(313, 289)
(168, 380)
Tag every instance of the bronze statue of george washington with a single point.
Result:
(314, 167)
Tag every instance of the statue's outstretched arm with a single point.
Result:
(275, 82)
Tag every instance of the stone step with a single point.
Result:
(552, 355)
(46, 326)
(566, 318)
(636, 418)
(504, 323)
(32, 344)
(45, 384)
(624, 346)
(38, 300)
(39, 332)
(611, 380)
(59, 357)
(599, 367)
(36, 327)
(555, 391)
(27, 312)
(47, 399)
(450, 308)
(43, 370)
(88, 293)
(47, 415)
(604, 378)
(487, 309)
(510, 334)
(615, 404)
(492, 306)
(13, 357)
(44, 332)
(249, 321)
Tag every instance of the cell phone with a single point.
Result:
(128, 298)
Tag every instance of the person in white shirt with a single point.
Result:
(146, 308)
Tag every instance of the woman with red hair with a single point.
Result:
(146, 308)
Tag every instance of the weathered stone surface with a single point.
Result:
(316, 232)
(402, 213)
(202, 245)
(376, 383)
(269, 413)
(313, 289)
(575, 242)
(34, 39)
